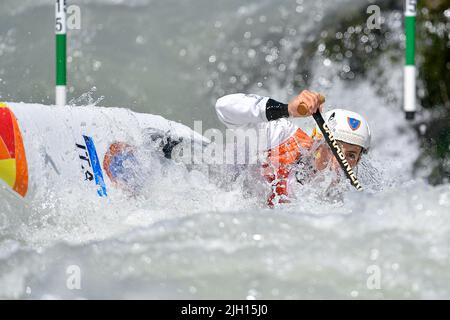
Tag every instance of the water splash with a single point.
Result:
(87, 99)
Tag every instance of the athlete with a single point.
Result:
(289, 148)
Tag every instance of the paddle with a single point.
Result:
(334, 146)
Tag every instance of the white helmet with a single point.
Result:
(347, 126)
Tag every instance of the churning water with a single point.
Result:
(185, 237)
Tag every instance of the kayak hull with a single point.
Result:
(45, 148)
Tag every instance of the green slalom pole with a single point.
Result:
(409, 84)
(61, 50)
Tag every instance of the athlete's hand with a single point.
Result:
(305, 104)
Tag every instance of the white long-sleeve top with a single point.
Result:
(245, 111)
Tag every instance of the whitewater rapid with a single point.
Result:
(185, 237)
(244, 253)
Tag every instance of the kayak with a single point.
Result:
(44, 148)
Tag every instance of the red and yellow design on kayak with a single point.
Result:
(13, 161)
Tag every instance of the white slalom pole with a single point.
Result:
(409, 81)
(61, 50)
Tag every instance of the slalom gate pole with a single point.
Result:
(61, 51)
(334, 146)
(409, 74)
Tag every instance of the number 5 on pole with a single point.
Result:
(61, 49)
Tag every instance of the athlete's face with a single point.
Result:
(324, 155)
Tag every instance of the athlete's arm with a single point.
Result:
(240, 109)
